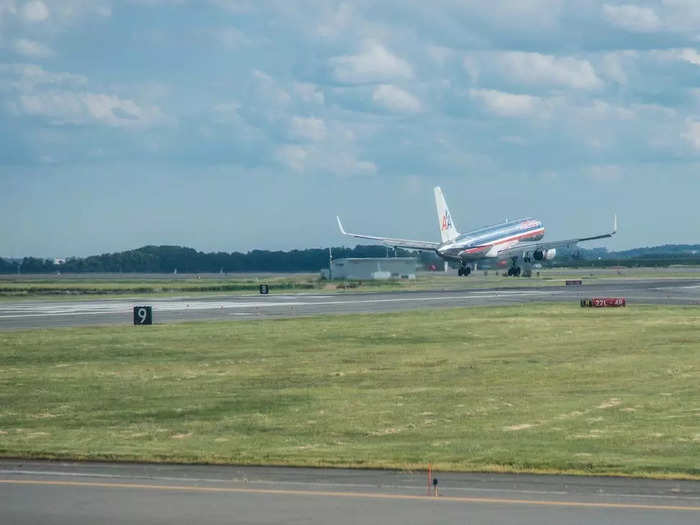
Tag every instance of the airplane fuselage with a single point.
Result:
(487, 241)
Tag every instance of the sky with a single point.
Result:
(231, 125)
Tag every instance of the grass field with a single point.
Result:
(549, 388)
(119, 285)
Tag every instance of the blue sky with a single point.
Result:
(233, 125)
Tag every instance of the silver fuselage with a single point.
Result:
(486, 241)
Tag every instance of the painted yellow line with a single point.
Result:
(368, 495)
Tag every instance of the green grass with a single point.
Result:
(59, 286)
(548, 388)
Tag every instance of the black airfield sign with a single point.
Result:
(264, 289)
(143, 315)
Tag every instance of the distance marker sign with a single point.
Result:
(143, 315)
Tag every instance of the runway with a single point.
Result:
(82, 493)
(20, 314)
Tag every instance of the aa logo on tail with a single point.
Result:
(446, 221)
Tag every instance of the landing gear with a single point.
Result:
(464, 271)
(514, 270)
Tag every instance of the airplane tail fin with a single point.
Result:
(448, 232)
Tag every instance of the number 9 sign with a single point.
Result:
(143, 315)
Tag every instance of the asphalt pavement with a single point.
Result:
(87, 493)
(20, 314)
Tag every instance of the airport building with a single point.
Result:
(373, 268)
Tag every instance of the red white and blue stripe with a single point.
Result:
(477, 244)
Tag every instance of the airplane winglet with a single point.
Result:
(340, 225)
(614, 224)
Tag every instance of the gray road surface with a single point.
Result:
(87, 493)
(43, 314)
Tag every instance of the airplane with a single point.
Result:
(519, 241)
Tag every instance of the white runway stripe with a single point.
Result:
(94, 308)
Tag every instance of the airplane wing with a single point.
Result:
(402, 243)
(524, 247)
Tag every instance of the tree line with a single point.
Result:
(168, 259)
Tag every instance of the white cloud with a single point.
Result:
(269, 88)
(374, 64)
(227, 108)
(614, 65)
(346, 164)
(313, 129)
(84, 108)
(692, 133)
(7, 7)
(159, 2)
(293, 157)
(514, 139)
(234, 6)
(32, 48)
(601, 110)
(401, 65)
(605, 173)
(682, 15)
(61, 13)
(439, 54)
(35, 11)
(540, 69)
(75, 9)
(230, 38)
(632, 17)
(690, 55)
(396, 99)
(25, 77)
(508, 104)
(336, 158)
(336, 22)
(517, 13)
(471, 65)
(309, 93)
(226, 113)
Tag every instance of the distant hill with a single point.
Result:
(665, 255)
(666, 249)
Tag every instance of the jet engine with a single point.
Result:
(546, 255)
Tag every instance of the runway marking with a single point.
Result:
(18, 311)
(59, 473)
(358, 495)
